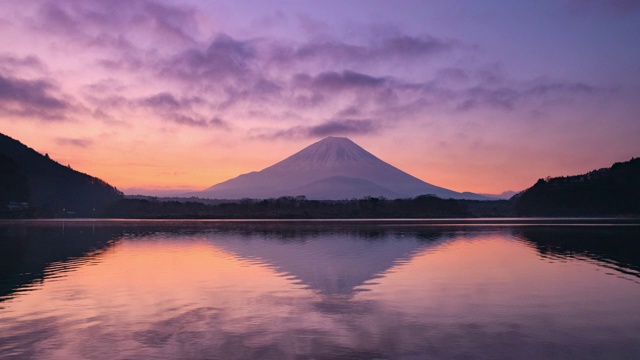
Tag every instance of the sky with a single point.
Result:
(482, 96)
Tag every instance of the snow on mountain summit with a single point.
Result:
(328, 153)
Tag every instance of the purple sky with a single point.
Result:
(480, 96)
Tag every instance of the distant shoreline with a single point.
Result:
(510, 221)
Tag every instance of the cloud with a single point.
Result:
(349, 111)
(170, 21)
(218, 122)
(342, 127)
(12, 63)
(32, 98)
(56, 19)
(108, 22)
(384, 48)
(224, 58)
(235, 72)
(240, 64)
(227, 75)
(162, 101)
(197, 121)
(550, 87)
(331, 87)
(178, 111)
(335, 51)
(82, 143)
(181, 110)
(337, 81)
(413, 46)
(508, 97)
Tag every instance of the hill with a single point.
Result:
(35, 184)
(331, 169)
(606, 192)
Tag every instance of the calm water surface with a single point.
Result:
(314, 290)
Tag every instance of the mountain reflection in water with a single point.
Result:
(317, 290)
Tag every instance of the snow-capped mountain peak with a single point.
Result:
(330, 152)
(333, 168)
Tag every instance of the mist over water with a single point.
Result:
(276, 290)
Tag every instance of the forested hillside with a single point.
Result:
(608, 191)
(32, 184)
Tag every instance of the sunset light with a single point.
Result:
(180, 95)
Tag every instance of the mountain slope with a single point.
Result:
(608, 191)
(321, 170)
(344, 188)
(28, 176)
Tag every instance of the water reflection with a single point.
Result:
(267, 291)
(28, 254)
(329, 263)
(615, 247)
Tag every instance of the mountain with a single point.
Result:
(608, 191)
(49, 188)
(505, 195)
(331, 169)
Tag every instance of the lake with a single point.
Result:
(421, 289)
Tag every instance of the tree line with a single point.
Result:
(424, 206)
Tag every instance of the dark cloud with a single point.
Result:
(548, 87)
(164, 105)
(188, 120)
(224, 58)
(400, 46)
(218, 122)
(82, 143)
(162, 101)
(308, 100)
(335, 51)
(312, 91)
(337, 81)
(413, 46)
(349, 111)
(9, 62)
(253, 91)
(197, 121)
(342, 127)
(179, 110)
(32, 98)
